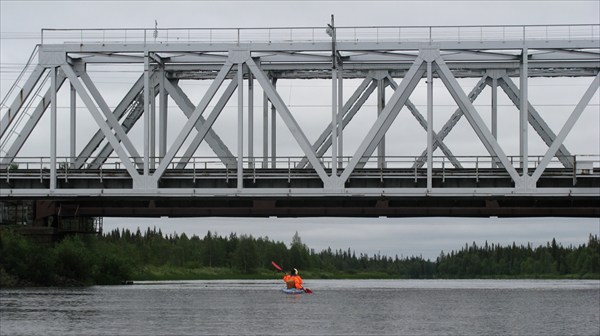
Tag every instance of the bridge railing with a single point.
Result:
(285, 167)
(321, 34)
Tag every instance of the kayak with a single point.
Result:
(292, 291)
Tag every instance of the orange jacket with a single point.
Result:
(293, 281)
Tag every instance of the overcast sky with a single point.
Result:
(21, 21)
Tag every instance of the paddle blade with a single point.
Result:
(276, 266)
(307, 291)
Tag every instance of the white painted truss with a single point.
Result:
(118, 162)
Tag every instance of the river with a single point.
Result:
(336, 307)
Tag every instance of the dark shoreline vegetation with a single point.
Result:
(122, 255)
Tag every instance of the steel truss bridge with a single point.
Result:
(159, 170)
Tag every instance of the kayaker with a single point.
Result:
(293, 280)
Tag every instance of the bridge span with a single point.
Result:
(356, 121)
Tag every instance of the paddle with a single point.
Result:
(306, 290)
(276, 266)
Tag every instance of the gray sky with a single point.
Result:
(21, 21)
(389, 236)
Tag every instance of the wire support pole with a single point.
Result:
(334, 97)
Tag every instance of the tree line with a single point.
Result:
(124, 255)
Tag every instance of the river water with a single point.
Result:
(336, 307)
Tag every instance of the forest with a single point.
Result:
(122, 256)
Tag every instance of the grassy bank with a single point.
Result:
(174, 273)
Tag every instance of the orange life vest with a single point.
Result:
(292, 281)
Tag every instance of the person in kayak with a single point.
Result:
(293, 280)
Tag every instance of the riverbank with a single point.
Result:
(169, 272)
(126, 256)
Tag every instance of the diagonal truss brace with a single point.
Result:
(99, 118)
(206, 127)
(356, 101)
(190, 124)
(292, 124)
(387, 116)
(587, 96)
(21, 98)
(110, 118)
(32, 122)
(136, 109)
(452, 121)
(213, 140)
(436, 138)
(475, 120)
(535, 120)
(132, 98)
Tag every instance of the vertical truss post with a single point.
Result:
(162, 114)
(146, 114)
(152, 125)
(73, 123)
(380, 107)
(523, 115)
(250, 121)
(273, 128)
(340, 116)
(494, 88)
(240, 130)
(334, 115)
(53, 117)
(265, 130)
(429, 127)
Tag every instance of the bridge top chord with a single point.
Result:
(399, 34)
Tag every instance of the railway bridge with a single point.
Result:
(356, 121)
